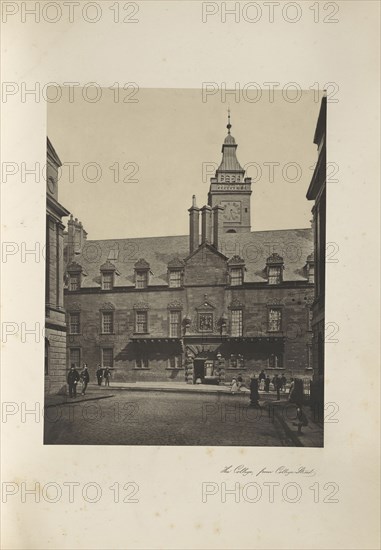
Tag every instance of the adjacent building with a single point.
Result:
(202, 307)
(55, 317)
(317, 193)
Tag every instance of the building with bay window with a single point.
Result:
(220, 301)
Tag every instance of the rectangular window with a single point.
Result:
(107, 280)
(276, 361)
(175, 279)
(236, 323)
(141, 322)
(311, 273)
(236, 277)
(74, 323)
(275, 320)
(142, 363)
(274, 275)
(174, 324)
(141, 279)
(107, 322)
(175, 362)
(74, 281)
(107, 357)
(75, 357)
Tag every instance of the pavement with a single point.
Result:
(285, 413)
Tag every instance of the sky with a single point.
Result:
(130, 168)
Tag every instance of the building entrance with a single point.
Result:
(198, 370)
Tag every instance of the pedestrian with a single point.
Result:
(240, 382)
(254, 395)
(284, 382)
(278, 385)
(107, 376)
(85, 378)
(262, 375)
(234, 386)
(99, 374)
(273, 381)
(267, 383)
(72, 380)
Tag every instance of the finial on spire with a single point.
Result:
(193, 200)
(228, 126)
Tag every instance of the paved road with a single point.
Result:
(156, 418)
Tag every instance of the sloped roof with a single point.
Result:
(229, 160)
(294, 245)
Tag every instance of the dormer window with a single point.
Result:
(74, 281)
(236, 276)
(141, 273)
(175, 273)
(108, 272)
(175, 279)
(274, 267)
(310, 268)
(74, 273)
(236, 267)
(107, 280)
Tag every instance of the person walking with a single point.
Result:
(262, 378)
(107, 376)
(267, 383)
(284, 382)
(72, 380)
(234, 386)
(99, 374)
(254, 394)
(278, 385)
(85, 378)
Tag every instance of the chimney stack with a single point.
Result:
(206, 224)
(76, 236)
(194, 225)
(218, 226)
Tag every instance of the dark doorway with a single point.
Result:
(198, 370)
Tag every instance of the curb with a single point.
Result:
(290, 433)
(181, 390)
(69, 402)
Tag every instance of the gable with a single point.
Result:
(206, 266)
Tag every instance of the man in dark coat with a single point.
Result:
(262, 375)
(85, 378)
(99, 374)
(72, 380)
(254, 394)
(278, 385)
(267, 383)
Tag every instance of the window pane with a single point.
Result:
(175, 279)
(176, 362)
(174, 324)
(107, 281)
(107, 357)
(141, 322)
(236, 329)
(141, 279)
(75, 356)
(74, 282)
(236, 277)
(274, 275)
(276, 361)
(275, 319)
(74, 323)
(107, 322)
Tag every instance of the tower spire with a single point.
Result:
(228, 126)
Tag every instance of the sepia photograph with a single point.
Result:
(207, 325)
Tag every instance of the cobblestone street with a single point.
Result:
(156, 418)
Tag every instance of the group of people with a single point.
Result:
(74, 377)
(103, 373)
(279, 383)
(83, 378)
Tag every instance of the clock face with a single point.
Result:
(51, 185)
(232, 211)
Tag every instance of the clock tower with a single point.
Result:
(230, 189)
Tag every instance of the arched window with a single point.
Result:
(231, 231)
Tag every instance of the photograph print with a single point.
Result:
(185, 269)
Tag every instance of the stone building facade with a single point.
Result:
(317, 193)
(55, 317)
(220, 301)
